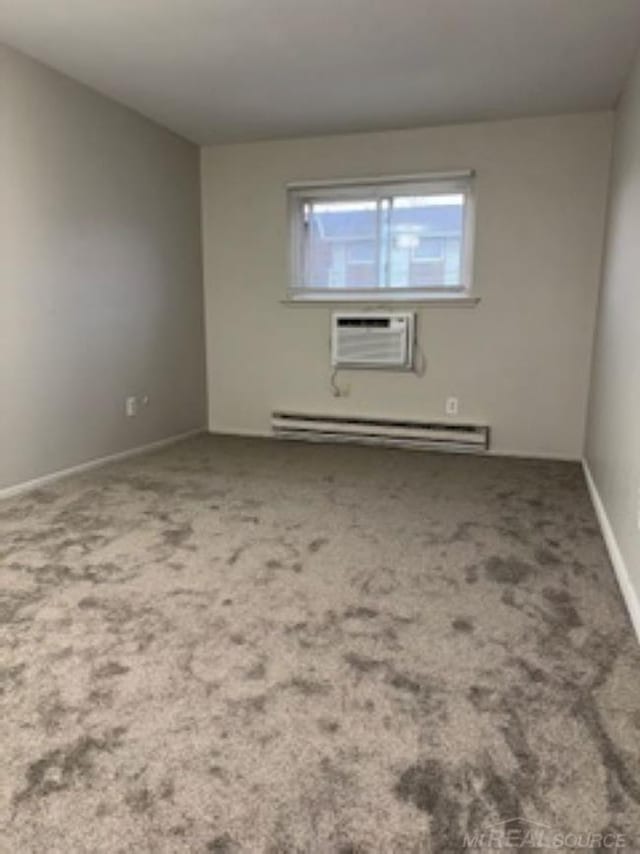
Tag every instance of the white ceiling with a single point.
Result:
(227, 70)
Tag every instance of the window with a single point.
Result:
(394, 239)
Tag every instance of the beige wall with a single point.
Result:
(100, 275)
(613, 437)
(519, 360)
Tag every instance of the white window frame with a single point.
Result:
(300, 194)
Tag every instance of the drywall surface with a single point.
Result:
(100, 275)
(613, 434)
(519, 360)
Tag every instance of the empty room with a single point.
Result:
(319, 426)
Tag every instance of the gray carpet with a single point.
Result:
(245, 646)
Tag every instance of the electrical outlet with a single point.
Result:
(131, 407)
(451, 406)
(145, 400)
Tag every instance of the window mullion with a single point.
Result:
(304, 248)
(384, 242)
(379, 242)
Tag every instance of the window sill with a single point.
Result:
(435, 301)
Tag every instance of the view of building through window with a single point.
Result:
(409, 242)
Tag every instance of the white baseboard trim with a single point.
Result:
(240, 432)
(622, 572)
(28, 485)
(534, 455)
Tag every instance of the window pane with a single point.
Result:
(425, 241)
(342, 244)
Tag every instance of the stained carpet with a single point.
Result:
(248, 646)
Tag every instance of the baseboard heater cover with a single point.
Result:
(430, 435)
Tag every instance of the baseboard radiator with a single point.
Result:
(431, 435)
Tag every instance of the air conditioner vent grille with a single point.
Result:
(371, 346)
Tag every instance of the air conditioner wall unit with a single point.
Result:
(379, 340)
